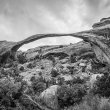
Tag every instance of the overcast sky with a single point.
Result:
(20, 19)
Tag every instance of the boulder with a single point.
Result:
(93, 79)
(82, 64)
(67, 77)
(49, 97)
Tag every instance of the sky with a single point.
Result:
(20, 19)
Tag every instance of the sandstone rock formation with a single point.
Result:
(49, 97)
(8, 49)
(97, 42)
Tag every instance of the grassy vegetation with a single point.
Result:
(76, 94)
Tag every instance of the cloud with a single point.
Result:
(23, 18)
(96, 9)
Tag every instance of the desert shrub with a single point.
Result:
(38, 85)
(90, 102)
(68, 96)
(21, 68)
(73, 58)
(13, 97)
(12, 90)
(9, 93)
(8, 65)
(105, 106)
(93, 104)
(21, 58)
(42, 67)
(12, 72)
(51, 57)
(3, 73)
(53, 81)
(93, 101)
(33, 78)
(61, 81)
(31, 65)
(81, 106)
(76, 80)
(61, 46)
(54, 73)
(15, 73)
(15, 69)
(102, 86)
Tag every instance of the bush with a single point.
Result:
(21, 58)
(76, 80)
(104, 104)
(21, 68)
(73, 58)
(54, 73)
(38, 85)
(31, 65)
(9, 92)
(93, 101)
(102, 86)
(68, 96)
(61, 46)
(51, 57)
(15, 94)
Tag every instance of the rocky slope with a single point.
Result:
(48, 69)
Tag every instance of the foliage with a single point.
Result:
(102, 86)
(68, 96)
(106, 106)
(10, 92)
(51, 57)
(31, 65)
(21, 58)
(21, 68)
(61, 46)
(76, 80)
(61, 81)
(54, 72)
(38, 85)
(73, 58)
(92, 102)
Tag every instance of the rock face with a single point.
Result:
(96, 38)
(8, 49)
(93, 78)
(49, 97)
